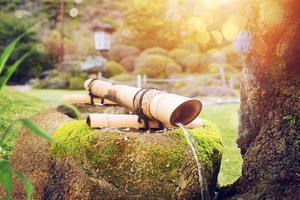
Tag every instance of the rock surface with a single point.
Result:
(84, 163)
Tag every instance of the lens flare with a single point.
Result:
(195, 23)
(74, 12)
(217, 36)
(271, 13)
(203, 37)
(230, 30)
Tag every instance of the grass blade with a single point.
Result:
(6, 174)
(36, 130)
(27, 185)
(4, 78)
(8, 51)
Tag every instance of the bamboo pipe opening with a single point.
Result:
(186, 112)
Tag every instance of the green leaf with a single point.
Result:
(6, 174)
(4, 78)
(27, 185)
(36, 130)
(8, 51)
(5, 134)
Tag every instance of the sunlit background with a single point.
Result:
(188, 47)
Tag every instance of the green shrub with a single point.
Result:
(124, 77)
(179, 54)
(194, 63)
(190, 45)
(119, 52)
(113, 68)
(76, 83)
(152, 65)
(128, 63)
(172, 68)
(215, 56)
(54, 80)
(156, 51)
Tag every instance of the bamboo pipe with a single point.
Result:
(164, 107)
(86, 99)
(128, 121)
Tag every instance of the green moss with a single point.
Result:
(124, 157)
(72, 139)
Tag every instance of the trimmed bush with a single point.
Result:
(215, 56)
(113, 68)
(179, 54)
(153, 66)
(191, 45)
(194, 63)
(123, 77)
(128, 63)
(76, 83)
(173, 68)
(119, 52)
(156, 51)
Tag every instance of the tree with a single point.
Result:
(269, 132)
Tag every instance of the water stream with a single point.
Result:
(203, 187)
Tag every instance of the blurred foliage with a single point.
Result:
(113, 68)
(62, 79)
(191, 24)
(155, 66)
(52, 46)
(194, 63)
(178, 54)
(146, 23)
(156, 51)
(5, 55)
(76, 83)
(119, 52)
(128, 63)
(11, 28)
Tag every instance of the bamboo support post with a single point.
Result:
(85, 99)
(129, 121)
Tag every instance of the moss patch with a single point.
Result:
(134, 160)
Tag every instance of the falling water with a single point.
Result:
(204, 191)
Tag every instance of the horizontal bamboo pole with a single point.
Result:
(161, 106)
(85, 99)
(128, 121)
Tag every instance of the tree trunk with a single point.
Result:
(269, 132)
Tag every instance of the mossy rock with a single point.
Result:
(134, 164)
(113, 68)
